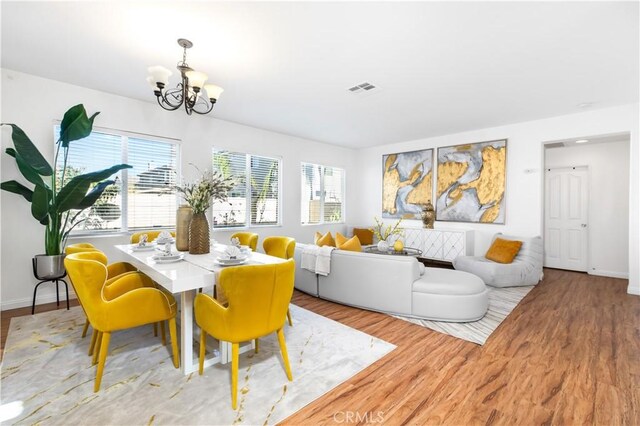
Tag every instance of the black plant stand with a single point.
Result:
(55, 279)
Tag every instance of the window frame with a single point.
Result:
(323, 191)
(124, 174)
(248, 224)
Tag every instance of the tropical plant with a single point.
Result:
(382, 233)
(57, 202)
(210, 185)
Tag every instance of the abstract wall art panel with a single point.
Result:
(407, 183)
(471, 182)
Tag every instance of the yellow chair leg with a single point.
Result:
(203, 346)
(164, 337)
(92, 344)
(257, 345)
(285, 356)
(234, 375)
(289, 318)
(104, 348)
(85, 328)
(96, 348)
(174, 341)
(155, 329)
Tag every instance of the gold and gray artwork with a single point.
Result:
(471, 182)
(407, 183)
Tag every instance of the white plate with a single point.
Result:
(168, 259)
(136, 247)
(236, 262)
(165, 241)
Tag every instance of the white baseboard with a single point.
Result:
(612, 274)
(41, 299)
(635, 290)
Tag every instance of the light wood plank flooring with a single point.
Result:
(568, 354)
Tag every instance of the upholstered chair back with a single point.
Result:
(247, 239)
(282, 247)
(258, 299)
(151, 236)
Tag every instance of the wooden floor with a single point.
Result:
(568, 354)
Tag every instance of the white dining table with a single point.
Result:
(183, 279)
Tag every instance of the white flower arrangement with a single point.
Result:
(211, 186)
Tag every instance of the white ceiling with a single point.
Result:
(442, 67)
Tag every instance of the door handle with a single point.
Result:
(584, 225)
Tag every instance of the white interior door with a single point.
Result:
(565, 219)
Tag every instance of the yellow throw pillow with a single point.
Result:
(364, 235)
(325, 240)
(340, 239)
(503, 251)
(351, 244)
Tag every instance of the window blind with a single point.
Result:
(151, 196)
(322, 198)
(149, 199)
(96, 152)
(255, 199)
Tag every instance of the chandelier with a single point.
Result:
(189, 92)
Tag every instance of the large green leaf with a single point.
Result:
(28, 151)
(76, 189)
(40, 203)
(75, 124)
(29, 172)
(17, 188)
(93, 195)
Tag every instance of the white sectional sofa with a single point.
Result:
(396, 285)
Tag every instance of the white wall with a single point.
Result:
(524, 176)
(34, 103)
(608, 201)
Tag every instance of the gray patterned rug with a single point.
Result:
(501, 302)
(47, 377)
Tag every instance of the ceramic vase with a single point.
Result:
(199, 234)
(428, 216)
(383, 245)
(183, 219)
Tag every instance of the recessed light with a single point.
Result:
(582, 141)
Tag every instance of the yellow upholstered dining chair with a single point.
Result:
(113, 270)
(247, 239)
(258, 297)
(110, 309)
(151, 236)
(282, 247)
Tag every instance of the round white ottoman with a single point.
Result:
(448, 295)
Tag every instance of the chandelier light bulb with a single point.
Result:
(213, 91)
(196, 79)
(159, 74)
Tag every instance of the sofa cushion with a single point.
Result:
(325, 240)
(364, 235)
(503, 251)
(447, 281)
(344, 243)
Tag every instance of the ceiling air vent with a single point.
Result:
(555, 145)
(362, 88)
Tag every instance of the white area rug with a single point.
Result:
(501, 302)
(47, 369)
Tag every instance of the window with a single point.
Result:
(322, 194)
(255, 200)
(149, 200)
